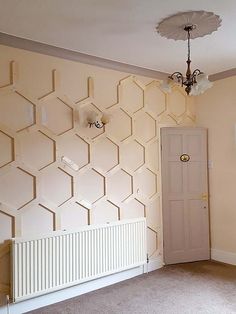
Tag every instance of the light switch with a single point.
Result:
(210, 164)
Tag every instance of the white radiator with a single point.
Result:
(45, 264)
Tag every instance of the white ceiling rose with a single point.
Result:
(204, 23)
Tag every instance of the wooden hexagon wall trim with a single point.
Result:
(135, 100)
(57, 101)
(91, 186)
(121, 126)
(12, 225)
(29, 152)
(7, 148)
(145, 127)
(118, 208)
(88, 211)
(155, 99)
(90, 93)
(177, 105)
(33, 186)
(105, 155)
(13, 101)
(152, 238)
(131, 95)
(74, 152)
(53, 215)
(132, 155)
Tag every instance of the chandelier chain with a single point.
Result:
(188, 44)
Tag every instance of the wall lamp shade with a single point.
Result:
(167, 85)
(201, 85)
(99, 120)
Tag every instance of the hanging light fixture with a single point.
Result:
(195, 83)
(189, 25)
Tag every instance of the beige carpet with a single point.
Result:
(201, 287)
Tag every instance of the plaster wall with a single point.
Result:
(216, 110)
(44, 102)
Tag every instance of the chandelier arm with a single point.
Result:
(175, 74)
(197, 72)
(178, 76)
(99, 125)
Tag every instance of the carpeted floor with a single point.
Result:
(201, 287)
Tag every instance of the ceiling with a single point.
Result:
(123, 30)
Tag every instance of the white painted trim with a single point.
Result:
(30, 45)
(223, 256)
(222, 75)
(61, 295)
(154, 264)
(34, 46)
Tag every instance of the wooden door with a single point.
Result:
(185, 195)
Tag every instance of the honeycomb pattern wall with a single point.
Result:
(118, 175)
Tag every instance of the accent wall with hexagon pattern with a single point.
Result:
(43, 102)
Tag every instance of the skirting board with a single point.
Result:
(61, 295)
(223, 256)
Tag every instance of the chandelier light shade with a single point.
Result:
(186, 26)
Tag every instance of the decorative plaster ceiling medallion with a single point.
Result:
(203, 23)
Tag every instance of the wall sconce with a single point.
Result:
(97, 119)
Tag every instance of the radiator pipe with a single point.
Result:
(8, 303)
(147, 263)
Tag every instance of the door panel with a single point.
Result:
(177, 225)
(175, 144)
(196, 222)
(184, 195)
(194, 177)
(193, 144)
(175, 178)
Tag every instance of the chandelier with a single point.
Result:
(189, 25)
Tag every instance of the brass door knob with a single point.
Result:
(204, 196)
(184, 157)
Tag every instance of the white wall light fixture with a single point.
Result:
(186, 26)
(99, 120)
